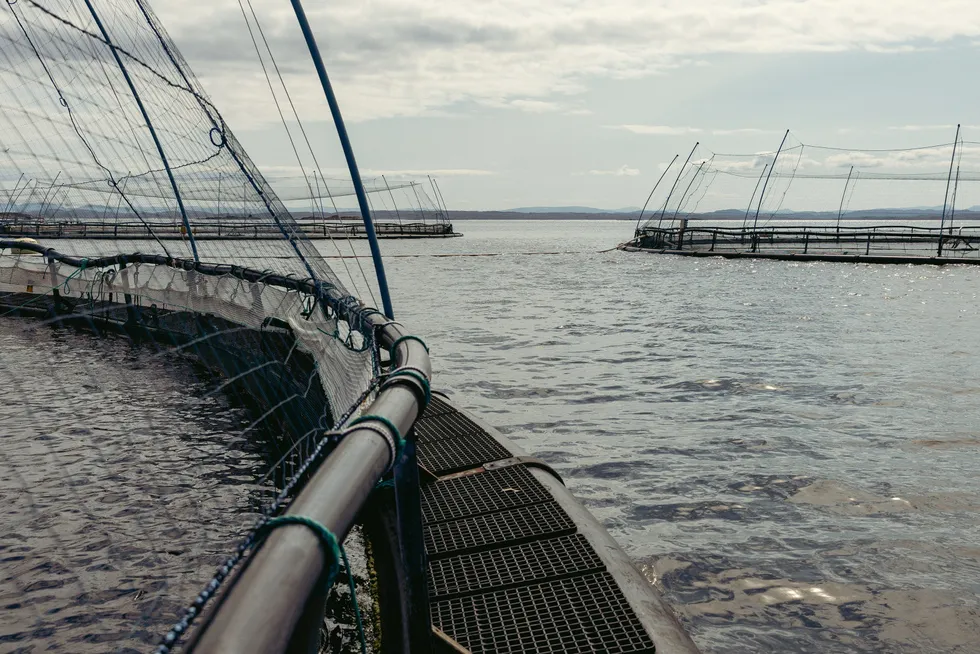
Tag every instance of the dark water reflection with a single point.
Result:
(124, 487)
(788, 450)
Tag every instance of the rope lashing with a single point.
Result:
(327, 539)
(66, 288)
(396, 445)
(407, 337)
(418, 376)
(335, 555)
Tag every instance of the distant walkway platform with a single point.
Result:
(901, 244)
(218, 230)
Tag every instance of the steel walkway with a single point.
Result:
(510, 570)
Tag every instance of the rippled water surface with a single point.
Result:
(789, 450)
(124, 486)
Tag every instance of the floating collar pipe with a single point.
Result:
(338, 120)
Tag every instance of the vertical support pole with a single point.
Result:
(949, 180)
(680, 202)
(445, 209)
(348, 154)
(13, 194)
(408, 503)
(636, 232)
(677, 179)
(393, 203)
(952, 206)
(132, 313)
(421, 210)
(748, 209)
(47, 194)
(762, 195)
(149, 126)
(843, 195)
(435, 195)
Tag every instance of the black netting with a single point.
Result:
(175, 348)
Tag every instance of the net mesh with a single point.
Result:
(810, 199)
(801, 181)
(173, 379)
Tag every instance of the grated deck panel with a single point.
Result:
(437, 407)
(508, 566)
(485, 492)
(447, 425)
(450, 455)
(508, 571)
(500, 528)
(579, 615)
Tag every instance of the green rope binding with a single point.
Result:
(327, 539)
(414, 374)
(353, 601)
(385, 483)
(399, 441)
(407, 337)
(65, 288)
(335, 554)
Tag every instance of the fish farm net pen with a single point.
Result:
(914, 204)
(109, 136)
(215, 440)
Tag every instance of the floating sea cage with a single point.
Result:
(132, 527)
(105, 128)
(802, 201)
(52, 208)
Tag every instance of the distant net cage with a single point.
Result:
(152, 229)
(917, 203)
(320, 208)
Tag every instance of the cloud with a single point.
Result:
(412, 57)
(922, 128)
(535, 106)
(622, 171)
(443, 172)
(667, 130)
(660, 130)
(744, 130)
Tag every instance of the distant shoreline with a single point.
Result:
(881, 216)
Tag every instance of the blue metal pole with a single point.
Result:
(411, 540)
(348, 154)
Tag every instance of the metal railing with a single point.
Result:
(908, 241)
(215, 229)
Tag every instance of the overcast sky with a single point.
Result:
(515, 103)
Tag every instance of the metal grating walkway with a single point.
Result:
(508, 571)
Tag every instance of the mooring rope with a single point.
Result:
(407, 337)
